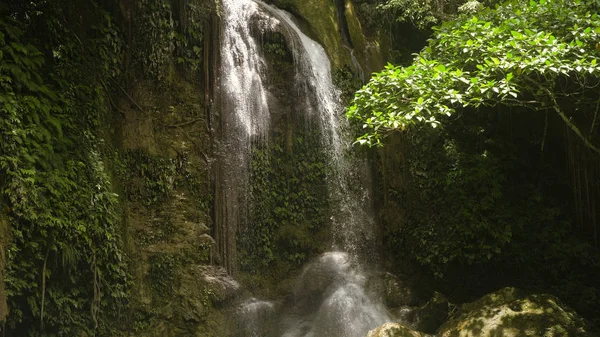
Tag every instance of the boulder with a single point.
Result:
(426, 318)
(201, 288)
(433, 314)
(397, 293)
(512, 313)
(394, 330)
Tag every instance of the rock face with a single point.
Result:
(394, 330)
(203, 287)
(432, 315)
(512, 313)
(336, 26)
(397, 293)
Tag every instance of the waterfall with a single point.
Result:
(243, 67)
(246, 116)
(353, 222)
(330, 298)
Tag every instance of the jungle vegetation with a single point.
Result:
(497, 119)
(486, 152)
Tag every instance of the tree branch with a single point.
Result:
(570, 124)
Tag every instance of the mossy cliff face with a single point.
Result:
(161, 158)
(335, 24)
(163, 169)
(372, 51)
(144, 120)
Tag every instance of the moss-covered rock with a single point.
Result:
(397, 293)
(511, 312)
(394, 330)
(321, 17)
(373, 51)
(329, 24)
(161, 163)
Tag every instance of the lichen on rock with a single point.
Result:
(394, 330)
(510, 312)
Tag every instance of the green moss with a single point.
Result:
(394, 330)
(511, 312)
(321, 17)
(373, 53)
(289, 203)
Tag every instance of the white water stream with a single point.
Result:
(330, 299)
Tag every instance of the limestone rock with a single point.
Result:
(394, 330)
(201, 287)
(512, 313)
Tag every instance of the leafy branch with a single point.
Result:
(515, 55)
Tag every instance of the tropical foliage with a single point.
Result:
(66, 271)
(490, 131)
(539, 55)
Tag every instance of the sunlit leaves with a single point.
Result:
(492, 58)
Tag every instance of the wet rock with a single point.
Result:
(319, 275)
(222, 287)
(256, 317)
(397, 293)
(202, 229)
(394, 330)
(432, 315)
(202, 287)
(206, 240)
(510, 312)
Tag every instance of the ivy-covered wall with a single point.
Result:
(288, 211)
(4, 242)
(105, 165)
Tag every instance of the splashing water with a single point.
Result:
(255, 318)
(331, 301)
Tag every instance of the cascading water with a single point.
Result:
(353, 223)
(243, 92)
(329, 299)
(243, 67)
